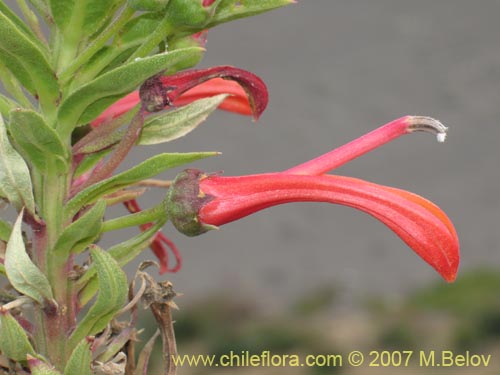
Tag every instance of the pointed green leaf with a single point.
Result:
(5, 230)
(164, 127)
(18, 22)
(40, 367)
(179, 122)
(24, 276)
(82, 17)
(6, 105)
(81, 233)
(89, 101)
(14, 342)
(229, 10)
(123, 253)
(2, 269)
(139, 28)
(38, 142)
(61, 11)
(144, 170)
(80, 360)
(27, 63)
(90, 162)
(15, 180)
(113, 289)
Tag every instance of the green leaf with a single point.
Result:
(179, 122)
(90, 161)
(18, 22)
(61, 11)
(6, 105)
(122, 253)
(85, 104)
(27, 63)
(113, 289)
(15, 180)
(82, 17)
(40, 367)
(139, 28)
(229, 10)
(5, 230)
(38, 142)
(164, 127)
(142, 171)
(14, 342)
(80, 360)
(24, 276)
(81, 233)
(2, 269)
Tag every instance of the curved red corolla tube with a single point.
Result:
(237, 102)
(199, 202)
(423, 226)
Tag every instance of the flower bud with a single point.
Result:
(184, 201)
(148, 5)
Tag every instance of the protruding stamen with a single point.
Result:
(427, 124)
(368, 142)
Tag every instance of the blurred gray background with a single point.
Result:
(335, 70)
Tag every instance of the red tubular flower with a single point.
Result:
(248, 92)
(199, 202)
(248, 96)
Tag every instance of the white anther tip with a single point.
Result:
(441, 137)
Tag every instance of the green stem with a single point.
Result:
(96, 45)
(139, 218)
(57, 324)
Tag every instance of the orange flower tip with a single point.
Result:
(427, 124)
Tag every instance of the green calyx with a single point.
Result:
(184, 201)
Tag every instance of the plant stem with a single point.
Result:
(56, 322)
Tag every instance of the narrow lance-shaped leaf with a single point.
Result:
(15, 180)
(22, 273)
(122, 253)
(144, 170)
(229, 10)
(5, 230)
(164, 127)
(112, 296)
(80, 234)
(14, 342)
(81, 17)
(18, 22)
(90, 100)
(27, 62)
(38, 141)
(177, 123)
(80, 360)
(6, 105)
